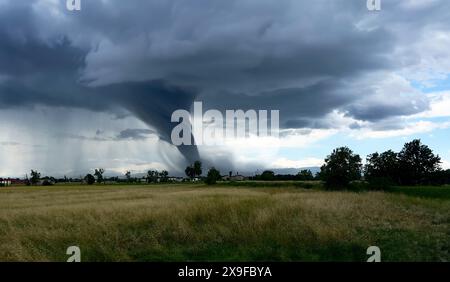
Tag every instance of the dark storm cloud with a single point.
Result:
(383, 111)
(21, 57)
(45, 70)
(249, 48)
(299, 107)
(308, 123)
(304, 58)
(81, 137)
(10, 144)
(153, 102)
(389, 124)
(135, 134)
(23, 53)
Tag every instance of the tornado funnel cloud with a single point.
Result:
(153, 103)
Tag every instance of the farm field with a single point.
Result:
(194, 222)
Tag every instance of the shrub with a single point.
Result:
(268, 175)
(47, 183)
(380, 183)
(213, 176)
(90, 179)
(305, 175)
(358, 186)
(307, 186)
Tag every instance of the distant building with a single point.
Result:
(176, 179)
(5, 182)
(12, 182)
(231, 177)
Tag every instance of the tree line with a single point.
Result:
(415, 164)
(153, 176)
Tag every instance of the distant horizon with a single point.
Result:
(143, 173)
(98, 87)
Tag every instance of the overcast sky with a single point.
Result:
(97, 87)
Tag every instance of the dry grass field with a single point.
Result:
(200, 223)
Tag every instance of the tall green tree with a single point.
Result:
(164, 176)
(35, 177)
(382, 169)
(128, 176)
(213, 176)
(152, 176)
(417, 163)
(194, 170)
(340, 168)
(268, 175)
(305, 175)
(99, 174)
(190, 172)
(197, 168)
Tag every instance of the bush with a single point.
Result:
(47, 183)
(307, 186)
(380, 183)
(268, 175)
(213, 176)
(358, 186)
(90, 179)
(305, 175)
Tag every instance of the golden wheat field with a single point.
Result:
(200, 223)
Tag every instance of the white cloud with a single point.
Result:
(287, 163)
(260, 152)
(439, 106)
(417, 4)
(445, 164)
(136, 168)
(410, 129)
